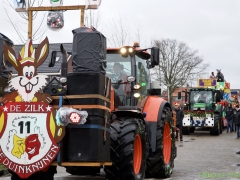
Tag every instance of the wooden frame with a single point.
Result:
(54, 8)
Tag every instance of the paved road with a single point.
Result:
(199, 155)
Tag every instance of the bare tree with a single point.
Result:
(20, 26)
(92, 18)
(119, 33)
(178, 64)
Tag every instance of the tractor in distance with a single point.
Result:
(205, 106)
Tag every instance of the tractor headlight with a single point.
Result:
(136, 86)
(130, 50)
(123, 50)
(131, 78)
(137, 95)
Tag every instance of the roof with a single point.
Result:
(44, 67)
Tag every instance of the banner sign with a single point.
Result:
(207, 82)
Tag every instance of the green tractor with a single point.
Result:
(204, 107)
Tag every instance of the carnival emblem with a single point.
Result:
(28, 129)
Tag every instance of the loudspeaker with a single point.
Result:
(87, 142)
(88, 83)
(89, 50)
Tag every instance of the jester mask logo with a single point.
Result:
(28, 130)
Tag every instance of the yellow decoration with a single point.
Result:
(52, 125)
(1, 122)
(18, 146)
(18, 99)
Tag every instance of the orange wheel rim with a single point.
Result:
(167, 145)
(137, 161)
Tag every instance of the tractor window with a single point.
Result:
(201, 97)
(142, 78)
(118, 69)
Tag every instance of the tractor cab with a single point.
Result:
(128, 68)
(201, 99)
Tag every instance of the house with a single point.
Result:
(174, 95)
(44, 68)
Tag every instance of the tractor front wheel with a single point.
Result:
(128, 150)
(192, 129)
(216, 129)
(185, 130)
(161, 162)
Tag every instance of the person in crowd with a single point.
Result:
(212, 76)
(237, 120)
(179, 119)
(229, 117)
(234, 112)
(219, 76)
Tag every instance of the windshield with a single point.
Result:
(200, 96)
(118, 69)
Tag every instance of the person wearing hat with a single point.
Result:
(179, 119)
(219, 76)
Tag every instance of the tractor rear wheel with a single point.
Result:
(82, 170)
(215, 130)
(128, 150)
(192, 129)
(161, 162)
(221, 125)
(185, 130)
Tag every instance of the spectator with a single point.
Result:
(229, 117)
(237, 120)
(234, 112)
(179, 119)
(219, 76)
(212, 76)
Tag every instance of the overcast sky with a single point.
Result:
(210, 26)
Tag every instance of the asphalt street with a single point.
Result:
(200, 156)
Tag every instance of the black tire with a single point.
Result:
(82, 170)
(221, 126)
(186, 130)
(48, 175)
(192, 129)
(156, 166)
(215, 130)
(123, 135)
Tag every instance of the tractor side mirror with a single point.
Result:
(179, 95)
(53, 59)
(154, 56)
